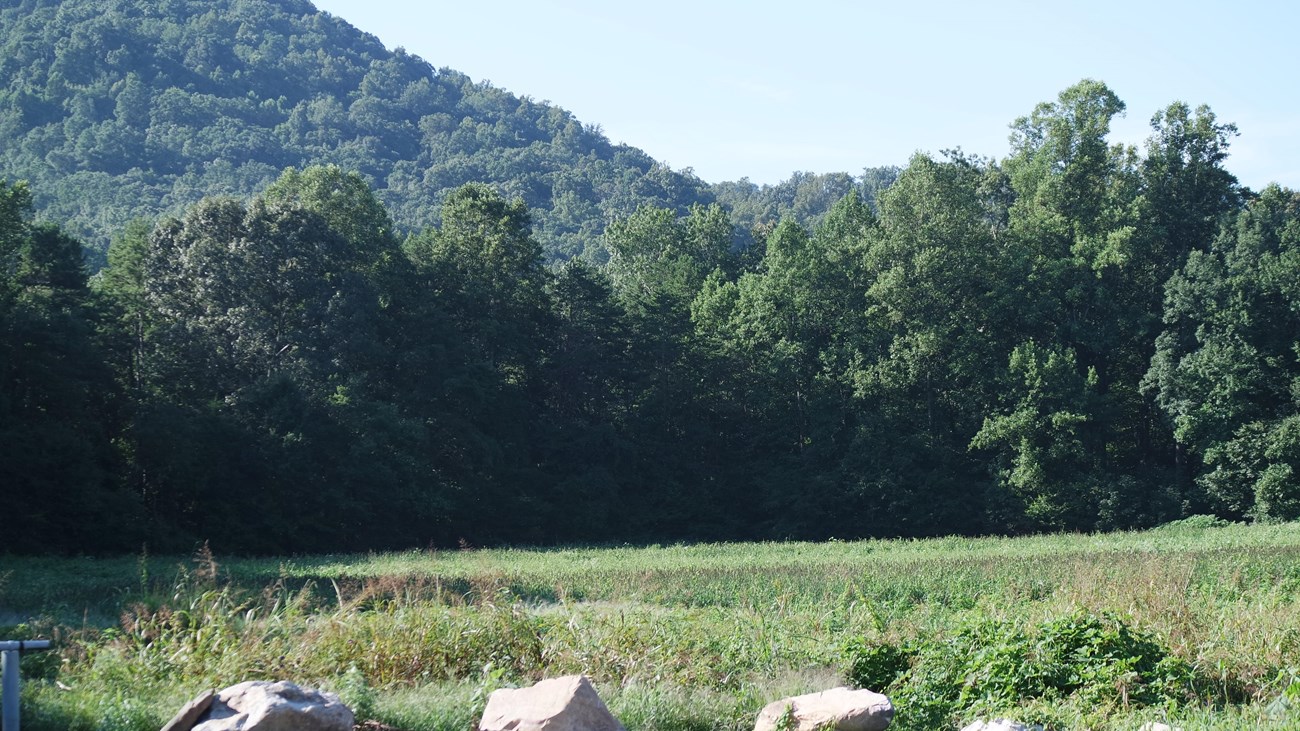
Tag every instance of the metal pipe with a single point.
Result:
(24, 645)
(10, 651)
(9, 666)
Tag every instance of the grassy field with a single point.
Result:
(1195, 624)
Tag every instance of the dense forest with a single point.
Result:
(1076, 337)
(116, 109)
(507, 330)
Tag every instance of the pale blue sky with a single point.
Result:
(762, 89)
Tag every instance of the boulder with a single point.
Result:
(840, 709)
(189, 713)
(569, 703)
(265, 706)
(1001, 724)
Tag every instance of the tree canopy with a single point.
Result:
(300, 357)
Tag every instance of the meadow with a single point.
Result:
(1196, 624)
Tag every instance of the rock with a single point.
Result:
(840, 709)
(569, 703)
(1001, 724)
(282, 706)
(189, 713)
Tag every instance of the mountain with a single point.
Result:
(118, 109)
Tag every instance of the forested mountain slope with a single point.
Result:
(117, 109)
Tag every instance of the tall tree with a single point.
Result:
(941, 312)
(487, 267)
(1226, 369)
(346, 203)
(484, 269)
(1077, 218)
(244, 292)
(122, 283)
(58, 411)
(254, 312)
(1185, 188)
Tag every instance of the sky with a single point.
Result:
(760, 90)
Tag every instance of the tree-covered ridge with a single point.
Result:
(803, 197)
(117, 109)
(1079, 336)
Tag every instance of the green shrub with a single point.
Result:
(1195, 522)
(875, 665)
(989, 666)
(1104, 660)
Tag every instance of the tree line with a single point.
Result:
(1077, 337)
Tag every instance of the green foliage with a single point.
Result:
(987, 667)
(244, 293)
(1225, 366)
(1195, 522)
(656, 260)
(346, 203)
(486, 248)
(876, 666)
(57, 395)
(1043, 440)
(803, 198)
(42, 665)
(117, 111)
(357, 694)
(973, 349)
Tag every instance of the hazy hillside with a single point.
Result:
(115, 109)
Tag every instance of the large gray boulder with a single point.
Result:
(840, 709)
(259, 705)
(569, 703)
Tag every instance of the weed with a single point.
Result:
(357, 694)
(876, 666)
(988, 666)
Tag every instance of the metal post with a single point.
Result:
(10, 651)
(11, 688)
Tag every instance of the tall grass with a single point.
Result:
(677, 637)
